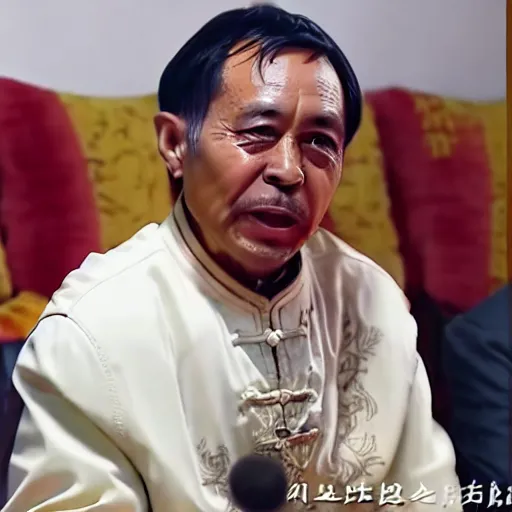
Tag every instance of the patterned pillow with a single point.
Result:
(493, 117)
(445, 161)
(19, 315)
(49, 221)
(131, 183)
(360, 210)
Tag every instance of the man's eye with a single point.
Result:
(323, 142)
(260, 131)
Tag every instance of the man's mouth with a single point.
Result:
(274, 217)
(271, 225)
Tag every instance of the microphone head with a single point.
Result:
(258, 484)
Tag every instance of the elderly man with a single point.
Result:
(237, 326)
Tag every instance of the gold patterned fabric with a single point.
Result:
(360, 210)
(5, 278)
(130, 180)
(494, 121)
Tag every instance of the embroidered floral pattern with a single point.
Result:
(357, 452)
(214, 468)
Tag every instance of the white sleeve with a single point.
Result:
(425, 458)
(66, 455)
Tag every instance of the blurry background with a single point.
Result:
(114, 47)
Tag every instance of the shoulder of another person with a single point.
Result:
(491, 314)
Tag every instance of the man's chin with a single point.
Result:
(262, 256)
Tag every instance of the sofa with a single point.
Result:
(423, 193)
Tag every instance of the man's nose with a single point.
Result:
(284, 168)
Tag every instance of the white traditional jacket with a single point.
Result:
(152, 371)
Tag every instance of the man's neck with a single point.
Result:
(273, 284)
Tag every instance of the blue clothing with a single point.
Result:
(8, 356)
(477, 354)
(10, 410)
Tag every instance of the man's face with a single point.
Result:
(268, 162)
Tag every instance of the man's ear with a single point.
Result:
(172, 145)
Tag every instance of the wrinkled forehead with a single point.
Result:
(294, 71)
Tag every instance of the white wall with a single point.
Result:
(452, 47)
(119, 47)
(98, 47)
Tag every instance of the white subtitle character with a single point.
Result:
(298, 492)
(327, 493)
(359, 494)
(423, 495)
(509, 496)
(391, 495)
(472, 493)
(494, 494)
(451, 495)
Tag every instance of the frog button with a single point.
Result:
(274, 338)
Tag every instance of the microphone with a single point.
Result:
(258, 484)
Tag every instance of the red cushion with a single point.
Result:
(440, 183)
(48, 215)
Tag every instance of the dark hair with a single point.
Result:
(193, 77)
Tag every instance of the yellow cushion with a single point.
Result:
(5, 278)
(130, 180)
(360, 209)
(494, 120)
(19, 315)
